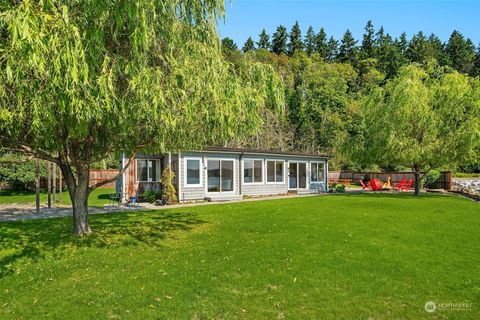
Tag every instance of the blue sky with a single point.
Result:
(247, 17)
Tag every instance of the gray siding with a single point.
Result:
(200, 192)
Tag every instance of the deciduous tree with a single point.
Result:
(419, 120)
(80, 80)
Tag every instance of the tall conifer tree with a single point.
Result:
(321, 45)
(249, 45)
(279, 40)
(310, 41)
(347, 51)
(264, 40)
(296, 43)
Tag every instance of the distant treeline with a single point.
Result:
(390, 53)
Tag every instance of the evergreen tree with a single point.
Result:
(310, 40)
(417, 50)
(332, 50)
(436, 49)
(368, 46)
(402, 43)
(264, 40)
(347, 51)
(279, 40)
(460, 52)
(321, 45)
(249, 45)
(476, 66)
(296, 43)
(229, 44)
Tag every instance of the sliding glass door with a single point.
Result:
(297, 175)
(220, 175)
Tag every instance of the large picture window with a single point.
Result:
(275, 171)
(317, 172)
(220, 175)
(252, 171)
(192, 172)
(148, 170)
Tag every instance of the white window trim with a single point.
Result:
(284, 171)
(185, 184)
(307, 173)
(324, 171)
(243, 171)
(234, 176)
(147, 159)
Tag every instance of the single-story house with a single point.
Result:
(227, 173)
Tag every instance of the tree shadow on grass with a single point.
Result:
(35, 239)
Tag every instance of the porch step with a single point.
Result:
(224, 199)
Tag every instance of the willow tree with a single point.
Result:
(420, 120)
(80, 80)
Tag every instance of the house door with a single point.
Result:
(297, 175)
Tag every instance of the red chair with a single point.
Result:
(401, 185)
(407, 186)
(364, 187)
(375, 185)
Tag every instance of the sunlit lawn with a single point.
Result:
(98, 197)
(325, 257)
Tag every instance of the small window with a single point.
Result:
(148, 170)
(317, 172)
(193, 171)
(275, 171)
(252, 171)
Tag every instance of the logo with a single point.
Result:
(430, 306)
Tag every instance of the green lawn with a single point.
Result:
(98, 197)
(327, 257)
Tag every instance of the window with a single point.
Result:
(252, 171)
(192, 172)
(317, 172)
(148, 170)
(220, 175)
(275, 171)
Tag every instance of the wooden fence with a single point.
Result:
(445, 181)
(99, 175)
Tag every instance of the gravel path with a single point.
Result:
(17, 211)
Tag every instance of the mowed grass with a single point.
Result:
(325, 257)
(98, 197)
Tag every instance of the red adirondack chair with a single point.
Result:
(407, 186)
(364, 187)
(375, 185)
(401, 185)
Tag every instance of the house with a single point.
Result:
(227, 173)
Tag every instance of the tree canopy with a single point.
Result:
(82, 80)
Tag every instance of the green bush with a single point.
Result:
(151, 195)
(340, 188)
(169, 192)
(431, 178)
(20, 175)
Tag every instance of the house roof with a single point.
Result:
(272, 152)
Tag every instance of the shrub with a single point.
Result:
(169, 193)
(340, 188)
(431, 178)
(151, 195)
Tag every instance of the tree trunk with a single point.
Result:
(417, 180)
(79, 191)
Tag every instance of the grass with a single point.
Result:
(327, 257)
(98, 197)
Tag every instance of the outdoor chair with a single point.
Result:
(407, 186)
(375, 185)
(401, 185)
(364, 187)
